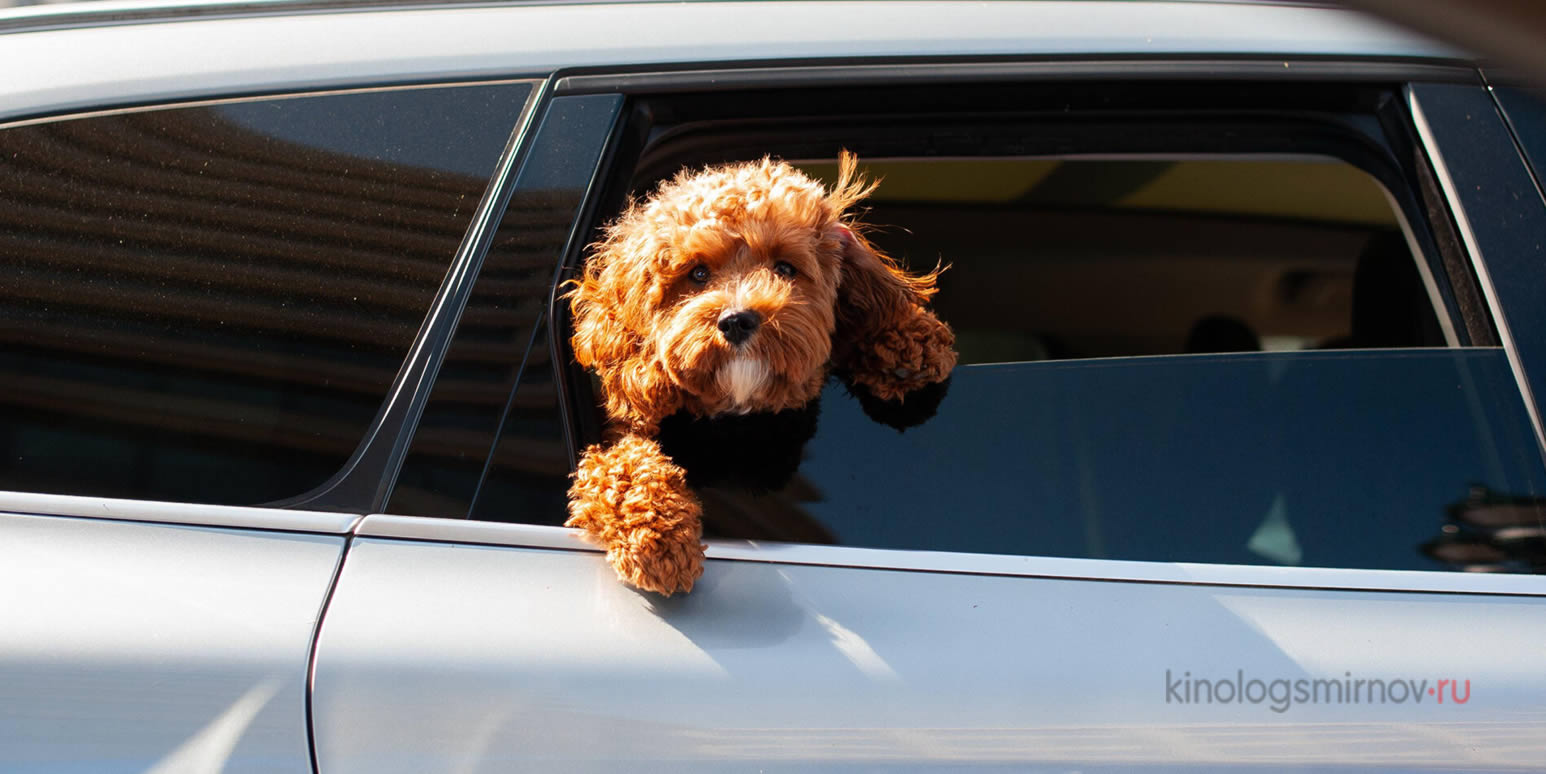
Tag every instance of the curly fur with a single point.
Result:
(634, 500)
(646, 314)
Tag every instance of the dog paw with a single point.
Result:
(662, 562)
(916, 352)
(633, 501)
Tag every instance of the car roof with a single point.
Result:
(76, 57)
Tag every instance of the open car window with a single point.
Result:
(1213, 330)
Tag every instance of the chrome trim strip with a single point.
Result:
(1478, 262)
(228, 516)
(562, 538)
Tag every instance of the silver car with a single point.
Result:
(1242, 465)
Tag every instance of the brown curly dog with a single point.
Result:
(730, 290)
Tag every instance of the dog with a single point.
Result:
(717, 308)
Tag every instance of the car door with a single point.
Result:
(1115, 561)
(210, 311)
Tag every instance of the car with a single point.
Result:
(1242, 465)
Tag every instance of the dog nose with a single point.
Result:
(739, 326)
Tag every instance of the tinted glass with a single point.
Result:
(1328, 459)
(497, 379)
(209, 303)
(1117, 257)
(528, 474)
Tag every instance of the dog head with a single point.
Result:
(733, 289)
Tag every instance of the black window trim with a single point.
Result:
(556, 320)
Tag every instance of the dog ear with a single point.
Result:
(599, 337)
(890, 349)
(607, 305)
(888, 345)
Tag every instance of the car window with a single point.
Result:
(1199, 335)
(208, 303)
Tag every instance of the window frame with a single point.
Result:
(606, 198)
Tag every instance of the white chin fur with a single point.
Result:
(742, 379)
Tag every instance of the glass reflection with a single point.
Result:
(490, 439)
(208, 303)
(1326, 459)
(1492, 532)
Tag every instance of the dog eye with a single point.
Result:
(784, 269)
(699, 274)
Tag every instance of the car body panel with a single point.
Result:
(502, 658)
(130, 646)
(226, 57)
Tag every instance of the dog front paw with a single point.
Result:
(662, 562)
(916, 352)
(633, 500)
